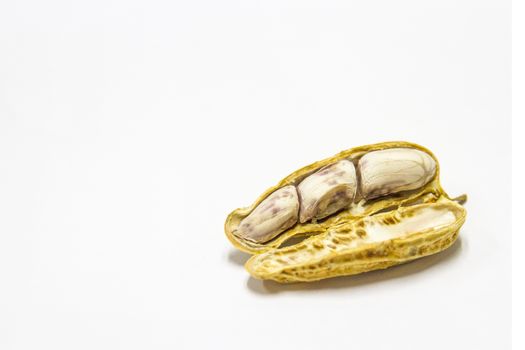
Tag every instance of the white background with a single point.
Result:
(129, 130)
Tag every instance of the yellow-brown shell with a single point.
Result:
(345, 250)
(429, 192)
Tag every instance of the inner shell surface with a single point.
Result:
(377, 228)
